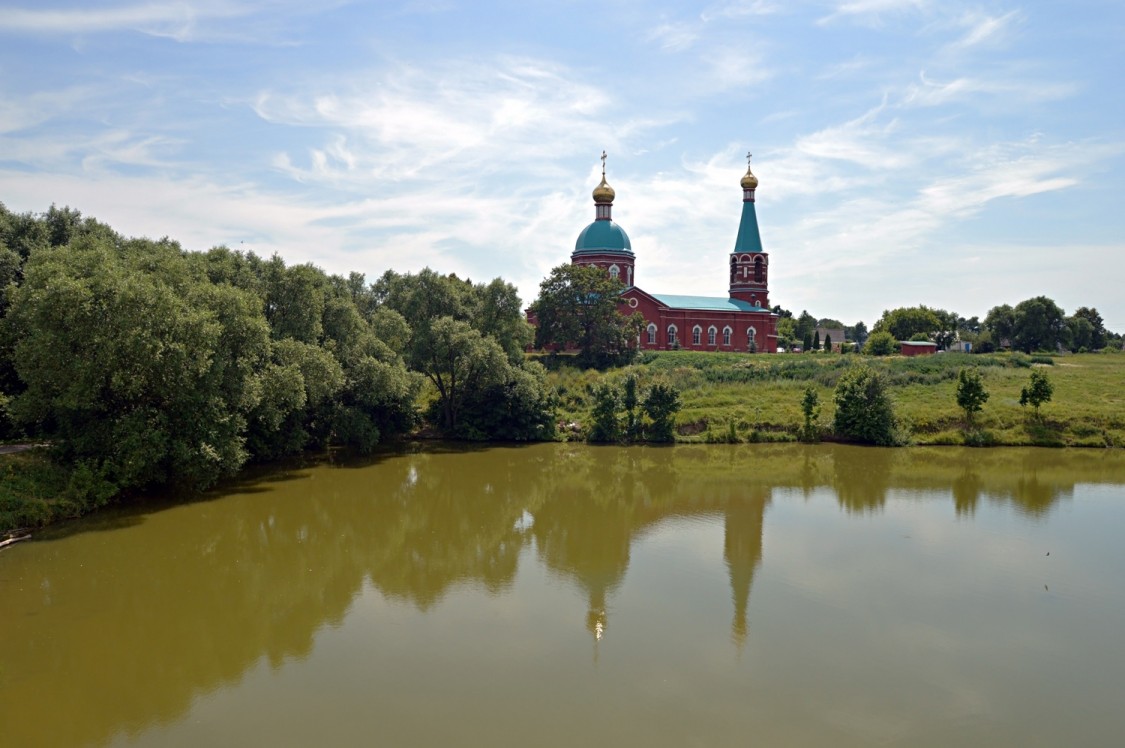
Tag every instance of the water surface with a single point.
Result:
(561, 595)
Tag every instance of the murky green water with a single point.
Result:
(559, 595)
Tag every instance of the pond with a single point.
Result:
(564, 595)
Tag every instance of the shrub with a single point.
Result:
(880, 344)
(864, 411)
(971, 394)
(1038, 391)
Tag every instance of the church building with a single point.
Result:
(740, 321)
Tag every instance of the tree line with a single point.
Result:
(145, 364)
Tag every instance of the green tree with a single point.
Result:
(1037, 391)
(459, 360)
(630, 401)
(578, 306)
(864, 411)
(971, 394)
(1001, 324)
(1039, 324)
(816, 340)
(1098, 335)
(605, 426)
(810, 407)
(138, 369)
(1081, 333)
(661, 404)
(880, 343)
(905, 322)
(786, 332)
(828, 343)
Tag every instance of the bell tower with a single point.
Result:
(749, 265)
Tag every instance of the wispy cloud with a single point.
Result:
(183, 21)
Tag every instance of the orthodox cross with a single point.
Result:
(603, 164)
(748, 156)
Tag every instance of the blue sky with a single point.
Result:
(954, 154)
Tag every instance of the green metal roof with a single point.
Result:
(603, 236)
(749, 240)
(706, 303)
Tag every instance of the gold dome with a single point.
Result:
(749, 181)
(603, 193)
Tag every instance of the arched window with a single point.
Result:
(750, 333)
(751, 343)
(671, 335)
(696, 335)
(651, 333)
(726, 335)
(711, 331)
(614, 272)
(759, 270)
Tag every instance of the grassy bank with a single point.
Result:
(743, 398)
(33, 491)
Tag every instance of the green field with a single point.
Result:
(744, 397)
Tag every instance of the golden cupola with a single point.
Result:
(603, 193)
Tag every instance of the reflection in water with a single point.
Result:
(128, 625)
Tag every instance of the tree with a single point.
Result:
(806, 326)
(856, 333)
(1001, 323)
(629, 401)
(578, 306)
(1037, 391)
(864, 411)
(1039, 324)
(971, 394)
(604, 425)
(810, 407)
(458, 360)
(828, 343)
(1098, 335)
(816, 341)
(905, 322)
(786, 332)
(138, 369)
(1081, 333)
(661, 404)
(880, 343)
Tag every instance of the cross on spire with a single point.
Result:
(603, 164)
(748, 157)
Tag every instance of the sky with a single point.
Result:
(957, 154)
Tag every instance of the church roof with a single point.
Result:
(749, 240)
(603, 236)
(706, 303)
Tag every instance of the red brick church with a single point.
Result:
(740, 321)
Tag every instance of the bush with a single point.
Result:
(864, 412)
(880, 344)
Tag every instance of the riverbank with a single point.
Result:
(749, 398)
(740, 398)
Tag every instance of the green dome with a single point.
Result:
(603, 236)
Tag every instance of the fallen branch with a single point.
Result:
(11, 540)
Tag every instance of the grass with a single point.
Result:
(745, 398)
(32, 491)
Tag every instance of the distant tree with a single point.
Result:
(905, 322)
(786, 332)
(835, 324)
(783, 313)
(1098, 335)
(578, 305)
(864, 411)
(828, 343)
(1081, 333)
(630, 401)
(1037, 391)
(1001, 324)
(971, 394)
(807, 342)
(857, 333)
(816, 341)
(1039, 324)
(806, 325)
(880, 343)
(946, 333)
